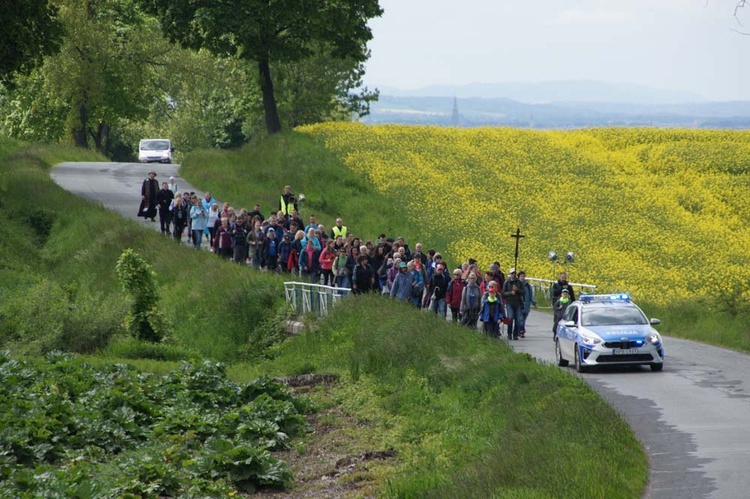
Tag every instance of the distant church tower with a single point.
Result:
(454, 117)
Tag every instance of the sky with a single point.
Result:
(684, 45)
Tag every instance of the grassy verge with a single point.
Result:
(466, 416)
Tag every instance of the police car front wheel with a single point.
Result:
(560, 361)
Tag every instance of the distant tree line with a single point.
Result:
(105, 73)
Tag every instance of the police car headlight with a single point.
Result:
(653, 338)
(590, 339)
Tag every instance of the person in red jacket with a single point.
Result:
(453, 296)
(223, 240)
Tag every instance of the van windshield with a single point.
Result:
(155, 145)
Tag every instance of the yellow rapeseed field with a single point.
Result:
(660, 213)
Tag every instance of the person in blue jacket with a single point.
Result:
(309, 262)
(401, 288)
(491, 313)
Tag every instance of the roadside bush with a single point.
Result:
(46, 317)
(144, 321)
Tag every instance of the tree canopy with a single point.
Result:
(30, 30)
(269, 31)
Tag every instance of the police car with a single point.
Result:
(607, 330)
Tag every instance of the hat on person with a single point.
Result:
(512, 271)
(271, 230)
(493, 267)
(402, 265)
(565, 290)
(152, 173)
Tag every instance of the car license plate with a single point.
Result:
(624, 351)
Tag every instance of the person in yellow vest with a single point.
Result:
(287, 201)
(339, 230)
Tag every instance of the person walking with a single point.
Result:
(179, 217)
(417, 283)
(453, 294)
(528, 301)
(557, 289)
(438, 290)
(271, 251)
(513, 295)
(255, 245)
(287, 202)
(363, 280)
(327, 257)
(164, 200)
(223, 239)
(471, 302)
(149, 191)
(340, 271)
(199, 219)
(491, 311)
(560, 305)
(401, 288)
(240, 230)
(309, 262)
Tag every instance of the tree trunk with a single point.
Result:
(101, 139)
(273, 124)
(79, 131)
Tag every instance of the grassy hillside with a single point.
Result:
(467, 416)
(59, 290)
(662, 214)
(455, 407)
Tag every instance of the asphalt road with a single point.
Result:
(693, 418)
(116, 186)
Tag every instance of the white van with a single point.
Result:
(155, 150)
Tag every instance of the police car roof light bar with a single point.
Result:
(613, 297)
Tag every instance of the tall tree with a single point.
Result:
(269, 31)
(102, 73)
(30, 30)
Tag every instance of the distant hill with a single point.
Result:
(553, 91)
(476, 111)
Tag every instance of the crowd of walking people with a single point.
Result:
(282, 242)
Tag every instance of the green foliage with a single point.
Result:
(30, 30)
(144, 321)
(133, 348)
(270, 33)
(70, 430)
(459, 407)
(47, 316)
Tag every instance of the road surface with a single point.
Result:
(693, 417)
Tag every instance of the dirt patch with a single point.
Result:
(335, 458)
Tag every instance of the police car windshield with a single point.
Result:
(612, 316)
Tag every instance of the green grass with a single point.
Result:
(468, 417)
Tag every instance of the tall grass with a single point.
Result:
(469, 417)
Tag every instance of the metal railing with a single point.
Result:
(306, 297)
(545, 286)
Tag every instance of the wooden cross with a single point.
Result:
(517, 236)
